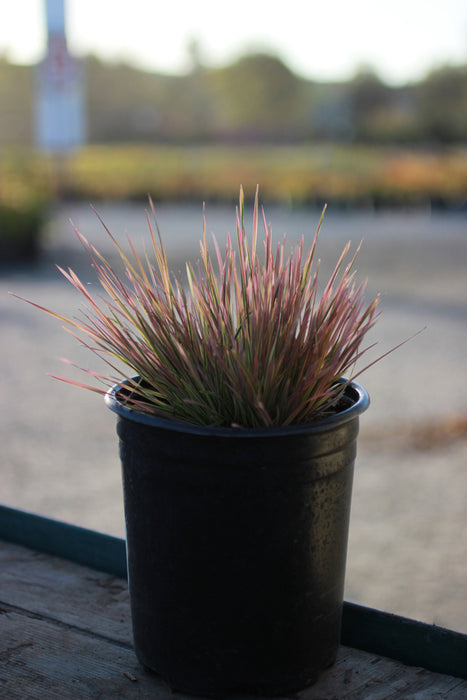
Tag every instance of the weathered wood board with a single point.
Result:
(65, 633)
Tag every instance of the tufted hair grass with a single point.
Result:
(248, 341)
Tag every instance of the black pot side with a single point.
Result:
(236, 547)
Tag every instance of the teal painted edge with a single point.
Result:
(80, 545)
(408, 641)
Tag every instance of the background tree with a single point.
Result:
(442, 105)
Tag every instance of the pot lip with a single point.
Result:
(356, 393)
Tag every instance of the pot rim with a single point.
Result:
(354, 392)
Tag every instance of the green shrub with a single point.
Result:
(20, 230)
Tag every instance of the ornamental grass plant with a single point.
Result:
(246, 341)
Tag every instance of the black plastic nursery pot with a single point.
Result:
(236, 547)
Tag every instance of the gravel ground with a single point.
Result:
(408, 539)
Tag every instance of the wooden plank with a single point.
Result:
(46, 659)
(100, 603)
(411, 642)
(359, 675)
(58, 589)
(65, 634)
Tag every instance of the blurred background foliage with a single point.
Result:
(199, 135)
(256, 99)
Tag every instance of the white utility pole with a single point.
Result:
(60, 103)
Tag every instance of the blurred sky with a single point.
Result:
(401, 39)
